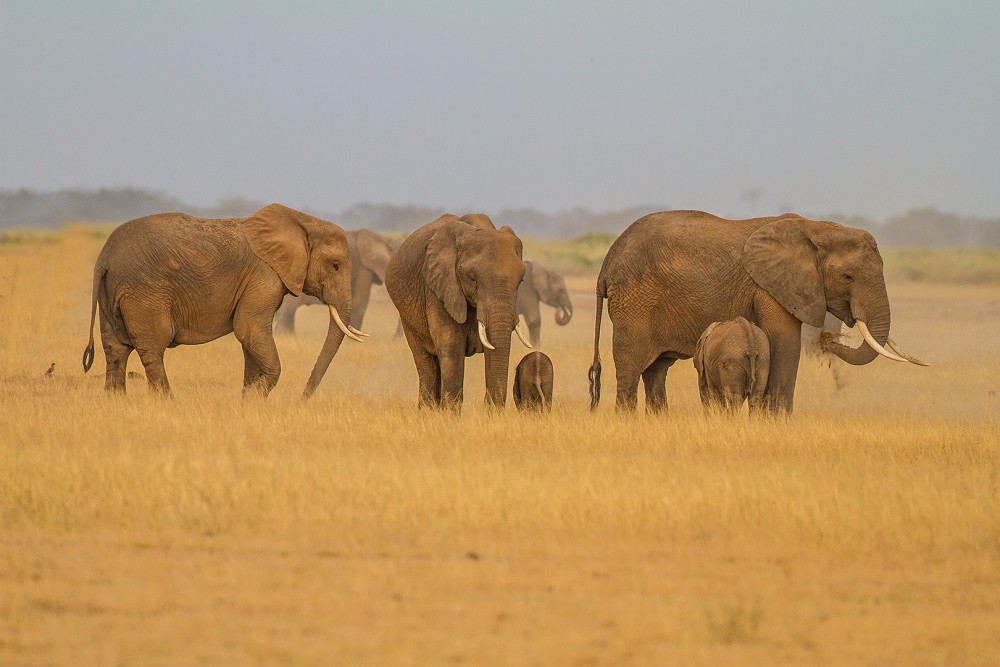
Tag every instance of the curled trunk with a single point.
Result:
(873, 311)
(564, 313)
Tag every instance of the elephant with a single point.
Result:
(533, 383)
(454, 282)
(671, 274)
(172, 279)
(732, 359)
(545, 286)
(370, 254)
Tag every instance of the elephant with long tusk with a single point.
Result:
(454, 283)
(671, 274)
(172, 279)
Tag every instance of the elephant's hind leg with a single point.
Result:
(654, 380)
(428, 374)
(116, 354)
(152, 331)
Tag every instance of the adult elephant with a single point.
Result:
(173, 279)
(454, 282)
(370, 254)
(671, 274)
(541, 285)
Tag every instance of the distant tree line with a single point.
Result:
(922, 227)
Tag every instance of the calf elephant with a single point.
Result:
(533, 380)
(172, 279)
(541, 285)
(732, 359)
(670, 275)
(454, 284)
(370, 254)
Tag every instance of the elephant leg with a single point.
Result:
(428, 374)
(261, 366)
(116, 356)
(785, 335)
(632, 356)
(452, 378)
(654, 380)
(533, 319)
(152, 361)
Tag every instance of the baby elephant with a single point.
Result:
(732, 359)
(533, 383)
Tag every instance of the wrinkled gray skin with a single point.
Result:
(445, 278)
(671, 274)
(732, 359)
(533, 383)
(172, 279)
(812, 347)
(370, 254)
(540, 285)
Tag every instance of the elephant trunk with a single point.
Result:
(334, 337)
(872, 308)
(565, 312)
(498, 330)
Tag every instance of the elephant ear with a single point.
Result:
(543, 283)
(699, 350)
(374, 252)
(441, 269)
(781, 258)
(276, 235)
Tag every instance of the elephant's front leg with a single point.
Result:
(452, 362)
(785, 335)
(261, 366)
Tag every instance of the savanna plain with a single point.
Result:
(354, 528)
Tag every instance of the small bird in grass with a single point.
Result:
(52, 369)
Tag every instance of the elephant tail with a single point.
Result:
(595, 369)
(88, 354)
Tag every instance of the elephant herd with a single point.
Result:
(732, 294)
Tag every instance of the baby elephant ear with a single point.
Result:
(699, 351)
(781, 257)
(277, 237)
(441, 269)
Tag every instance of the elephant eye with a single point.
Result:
(336, 265)
(848, 277)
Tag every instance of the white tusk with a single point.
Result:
(357, 331)
(483, 338)
(913, 360)
(343, 327)
(873, 344)
(520, 335)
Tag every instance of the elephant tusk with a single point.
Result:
(483, 338)
(343, 327)
(898, 350)
(520, 335)
(867, 335)
(357, 331)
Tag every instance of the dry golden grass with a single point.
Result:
(355, 529)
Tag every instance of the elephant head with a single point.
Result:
(811, 267)
(476, 271)
(310, 256)
(551, 288)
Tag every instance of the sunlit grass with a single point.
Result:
(356, 527)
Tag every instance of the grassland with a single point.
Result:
(355, 529)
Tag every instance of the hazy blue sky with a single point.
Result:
(859, 107)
